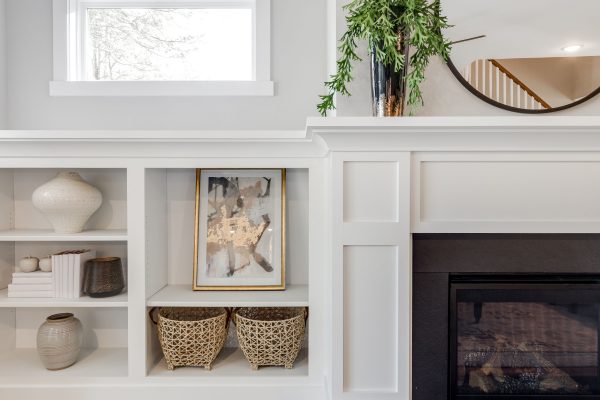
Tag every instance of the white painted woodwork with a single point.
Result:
(365, 198)
(26, 369)
(370, 318)
(357, 189)
(83, 302)
(371, 278)
(48, 235)
(181, 296)
(231, 363)
(509, 191)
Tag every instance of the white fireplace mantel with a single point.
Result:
(359, 188)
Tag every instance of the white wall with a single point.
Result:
(298, 67)
(2, 64)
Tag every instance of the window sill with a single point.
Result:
(162, 88)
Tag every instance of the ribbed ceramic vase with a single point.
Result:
(67, 201)
(59, 341)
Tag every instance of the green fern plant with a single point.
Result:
(377, 22)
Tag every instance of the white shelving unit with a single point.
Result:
(147, 220)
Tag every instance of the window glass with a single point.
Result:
(209, 44)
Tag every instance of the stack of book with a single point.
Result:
(32, 284)
(67, 270)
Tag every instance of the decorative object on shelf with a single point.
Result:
(390, 28)
(68, 272)
(67, 201)
(103, 277)
(29, 264)
(36, 284)
(191, 337)
(59, 341)
(240, 229)
(46, 264)
(270, 335)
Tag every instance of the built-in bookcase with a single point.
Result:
(170, 202)
(147, 219)
(24, 231)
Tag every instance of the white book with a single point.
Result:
(29, 287)
(22, 281)
(80, 261)
(36, 274)
(35, 295)
(70, 276)
(56, 274)
(64, 261)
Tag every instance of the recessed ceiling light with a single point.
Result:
(572, 48)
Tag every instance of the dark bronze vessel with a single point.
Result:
(103, 277)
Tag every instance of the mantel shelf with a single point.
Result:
(10, 302)
(38, 235)
(184, 296)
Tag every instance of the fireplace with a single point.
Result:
(532, 336)
(506, 316)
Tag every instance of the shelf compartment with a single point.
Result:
(43, 235)
(83, 302)
(184, 296)
(232, 363)
(23, 366)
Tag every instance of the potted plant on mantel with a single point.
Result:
(402, 35)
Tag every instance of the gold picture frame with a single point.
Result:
(216, 225)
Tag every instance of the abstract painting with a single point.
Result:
(240, 229)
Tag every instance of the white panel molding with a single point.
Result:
(579, 210)
(374, 234)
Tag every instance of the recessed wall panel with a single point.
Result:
(370, 191)
(509, 191)
(370, 318)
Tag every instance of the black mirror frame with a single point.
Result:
(483, 97)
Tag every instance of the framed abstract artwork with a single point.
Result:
(240, 229)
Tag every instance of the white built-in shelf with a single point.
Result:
(184, 296)
(231, 363)
(36, 235)
(119, 300)
(23, 366)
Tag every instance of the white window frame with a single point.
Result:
(69, 60)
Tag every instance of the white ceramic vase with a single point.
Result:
(67, 201)
(59, 341)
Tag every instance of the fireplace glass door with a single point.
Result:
(524, 337)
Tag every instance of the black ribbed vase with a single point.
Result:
(388, 87)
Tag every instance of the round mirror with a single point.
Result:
(529, 56)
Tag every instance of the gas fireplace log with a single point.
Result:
(479, 380)
(554, 379)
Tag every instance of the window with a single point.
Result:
(168, 47)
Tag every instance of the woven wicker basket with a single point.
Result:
(270, 336)
(191, 336)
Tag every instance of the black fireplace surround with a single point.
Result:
(506, 316)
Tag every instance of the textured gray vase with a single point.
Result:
(67, 201)
(59, 341)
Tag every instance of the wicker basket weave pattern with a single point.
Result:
(192, 336)
(270, 336)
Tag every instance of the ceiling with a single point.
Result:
(521, 28)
